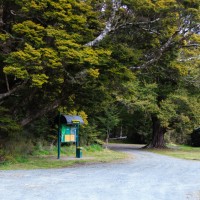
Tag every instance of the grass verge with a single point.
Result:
(180, 151)
(46, 159)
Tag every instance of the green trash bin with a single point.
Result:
(79, 152)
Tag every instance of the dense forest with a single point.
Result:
(127, 67)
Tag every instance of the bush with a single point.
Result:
(89, 134)
(94, 148)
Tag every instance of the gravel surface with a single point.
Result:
(145, 176)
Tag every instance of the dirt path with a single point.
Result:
(146, 176)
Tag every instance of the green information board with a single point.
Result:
(68, 133)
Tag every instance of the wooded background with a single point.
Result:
(129, 67)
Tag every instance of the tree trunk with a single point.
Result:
(107, 138)
(157, 134)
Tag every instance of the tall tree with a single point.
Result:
(43, 45)
(56, 52)
(150, 41)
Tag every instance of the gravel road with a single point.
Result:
(145, 176)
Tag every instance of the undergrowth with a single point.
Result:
(46, 157)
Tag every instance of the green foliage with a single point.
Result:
(94, 148)
(96, 154)
(42, 148)
(89, 134)
(8, 126)
(10, 132)
(41, 132)
(181, 151)
(33, 64)
(31, 32)
(109, 119)
(43, 47)
(20, 146)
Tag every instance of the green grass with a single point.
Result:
(181, 151)
(46, 159)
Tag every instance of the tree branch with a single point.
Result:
(7, 83)
(158, 54)
(189, 59)
(108, 26)
(6, 94)
(191, 45)
(45, 110)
